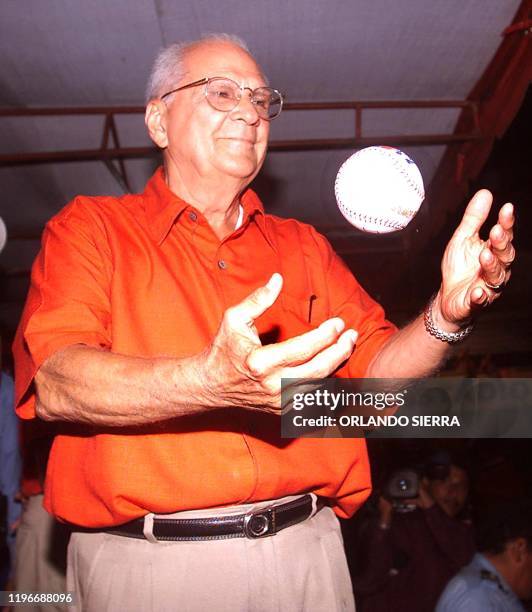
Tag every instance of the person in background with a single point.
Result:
(413, 549)
(10, 470)
(41, 544)
(500, 574)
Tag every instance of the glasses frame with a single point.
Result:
(206, 80)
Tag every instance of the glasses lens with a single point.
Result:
(223, 94)
(268, 102)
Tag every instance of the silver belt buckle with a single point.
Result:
(259, 523)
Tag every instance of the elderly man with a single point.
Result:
(145, 329)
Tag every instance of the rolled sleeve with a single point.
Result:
(68, 301)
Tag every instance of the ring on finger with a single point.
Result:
(494, 287)
(509, 262)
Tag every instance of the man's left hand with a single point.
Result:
(474, 270)
(424, 499)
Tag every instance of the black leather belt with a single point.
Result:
(257, 523)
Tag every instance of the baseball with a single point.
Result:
(379, 189)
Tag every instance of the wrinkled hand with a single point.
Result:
(470, 265)
(238, 371)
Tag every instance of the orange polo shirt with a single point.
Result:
(145, 275)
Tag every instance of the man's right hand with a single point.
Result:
(86, 384)
(237, 370)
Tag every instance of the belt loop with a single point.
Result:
(148, 528)
(314, 499)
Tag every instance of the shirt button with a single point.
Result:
(221, 264)
(192, 216)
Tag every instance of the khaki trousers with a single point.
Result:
(40, 562)
(302, 568)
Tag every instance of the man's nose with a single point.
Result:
(245, 109)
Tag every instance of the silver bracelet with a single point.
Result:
(450, 337)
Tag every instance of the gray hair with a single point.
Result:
(168, 67)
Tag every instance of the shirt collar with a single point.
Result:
(254, 210)
(484, 563)
(163, 207)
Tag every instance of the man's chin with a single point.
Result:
(451, 511)
(244, 169)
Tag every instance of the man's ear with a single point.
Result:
(155, 120)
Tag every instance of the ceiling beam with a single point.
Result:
(107, 152)
(287, 106)
(498, 95)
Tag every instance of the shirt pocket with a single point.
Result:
(301, 313)
(286, 318)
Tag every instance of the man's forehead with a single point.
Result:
(221, 59)
(457, 474)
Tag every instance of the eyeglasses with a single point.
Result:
(224, 95)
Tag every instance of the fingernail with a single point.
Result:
(275, 282)
(352, 335)
(338, 325)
